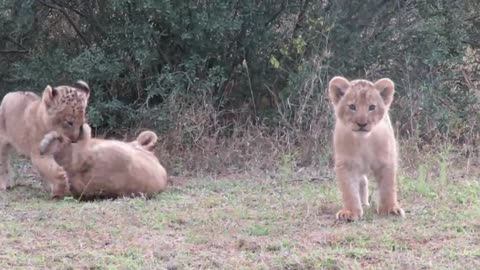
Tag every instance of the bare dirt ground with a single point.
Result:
(278, 221)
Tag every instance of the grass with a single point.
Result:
(281, 222)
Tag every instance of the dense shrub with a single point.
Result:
(205, 69)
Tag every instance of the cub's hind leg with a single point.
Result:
(5, 149)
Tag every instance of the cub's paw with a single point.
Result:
(348, 215)
(56, 197)
(59, 192)
(62, 187)
(61, 176)
(392, 210)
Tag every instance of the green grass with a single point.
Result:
(245, 224)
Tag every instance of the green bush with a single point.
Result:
(262, 62)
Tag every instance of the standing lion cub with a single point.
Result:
(364, 143)
(98, 168)
(25, 118)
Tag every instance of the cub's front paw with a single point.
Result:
(61, 188)
(391, 210)
(61, 176)
(348, 215)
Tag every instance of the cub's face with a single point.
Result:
(360, 104)
(66, 107)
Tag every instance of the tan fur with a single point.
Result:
(25, 118)
(108, 168)
(364, 143)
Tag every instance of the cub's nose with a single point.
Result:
(361, 125)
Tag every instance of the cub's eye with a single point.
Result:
(371, 108)
(352, 107)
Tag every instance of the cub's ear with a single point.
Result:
(147, 139)
(386, 88)
(336, 88)
(82, 86)
(49, 95)
(85, 132)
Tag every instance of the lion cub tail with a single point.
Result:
(147, 139)
(48, 141)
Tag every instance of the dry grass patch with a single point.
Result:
(280, 221)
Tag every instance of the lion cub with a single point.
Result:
(364, 143)
(25, 118)
(98, 168)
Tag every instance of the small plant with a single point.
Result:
(443, 162)
(422, 185)
(287, 166)
(259, 230)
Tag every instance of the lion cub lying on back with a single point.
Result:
(364, 142)
(107, 168)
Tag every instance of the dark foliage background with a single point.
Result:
(235, 81)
